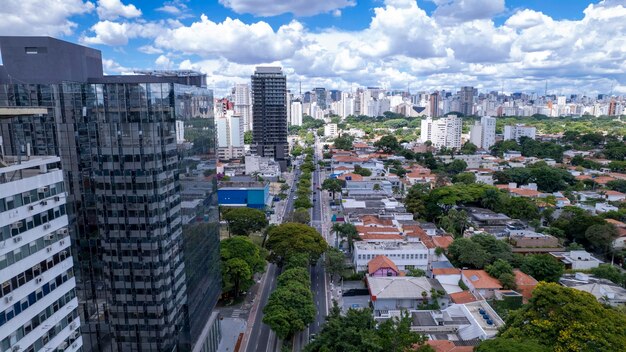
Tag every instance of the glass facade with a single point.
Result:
(145, 281)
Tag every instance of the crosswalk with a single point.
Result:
(236, 313)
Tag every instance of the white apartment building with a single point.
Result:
(406, 255)
(516, 132)
(230, 131)
(483, 133)
(243, 105)
(180, 132)
(296, 114)
(330, 130)
(38, 303)
(444, 132)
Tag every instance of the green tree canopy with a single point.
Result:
(359, 170)
(240, 260)
(565, 319)
(388, 144)
(344, 142)
(469, 148)
(464, 177)
(332, 185)
(244, 221)
(291, 238)
(298, 275)
(335, 262)
(300, 215)
(610, 272)
(543, 267)
(289, 309)
(502, 344)
(464, 252)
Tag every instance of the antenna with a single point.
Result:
(300, 88)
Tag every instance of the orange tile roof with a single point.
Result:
(502, 186)
(525, 284)
(480, 279)
(353, 176)
(381, 236)
(602, 180)
(583, 177)
(381, 262)
(448, 346)
(614, 193)
(617, 223)
(463, 297)
(443, 241)
(414, 231)
(618, 175)
(525, 192)
(360, 145)
(446, 271)
(376, 229)
(348, 159)
(373, 219)
(341, 168)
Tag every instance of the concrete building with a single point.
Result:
(269, 111)
(401, 293)
(115, 136)
(443, 132)
(406, 255)
(516, 132)
(466, 101)
(230, 136)
(483, 133)
(244, 194)
(577, 260)
(320, 97)
(38, 303)
(330, 130)
(296, 114)
(243, 105)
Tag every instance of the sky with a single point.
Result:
(575, 46)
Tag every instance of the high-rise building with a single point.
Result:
(612, 107)
(243, 105)
(335, 95)
(466, 101)
(38, 303)
(483, 133)
(515, 132)
(296, 113)
(320, 96)
(434, 104)
(269, 113)
(143, 282)
(229, 136)
(443, 132)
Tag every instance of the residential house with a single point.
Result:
(525, 284)
(614, 196)
(403, 293)
(528, 242)
(382, 266)
(620, 241)
(480, 283)
(605, 291)
(405, 255)
(577, 260)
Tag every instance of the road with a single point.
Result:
(262, 338)
(319, 284)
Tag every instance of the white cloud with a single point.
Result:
(149, 49)
(163, 62)
(119, 33)
(527, 18)
(112, 67)
(172, 10)
(34, 17)
(454, 11)
(277, 7)
(113, 9)
(234, 40)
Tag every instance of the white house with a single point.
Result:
(406, 255)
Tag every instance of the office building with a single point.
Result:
(466, 101)
(243, 105)
(38, 303)
(515, 132)
(296, 114)
(443, 132)
(143, 282)
(434, 104)
(483, 133)
(320, 97)
(229, 136)
(330, 130)
(269, 113)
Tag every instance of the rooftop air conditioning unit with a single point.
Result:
(43, 189)
(17, 239)
(63, 346)
(57, 198)
(30, 207)
(15, 348)
(62, 232)
(73, 326)
(43, 202)
(46, 226)
(48, 237)
(49, 249)
(17, 225)
(38, 280)
(74, 335)
(8, 299)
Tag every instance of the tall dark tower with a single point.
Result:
(466, 95)
(269, 113)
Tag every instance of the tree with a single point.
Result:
(496, 248)
(492, 199)
(600, 237)
(332, 185)
(617, 185)
(508, 281)
(521, 208)
(498, 268)
(347, 231)
(344, 142)
(235, 272)
(303, 202)
(359, 170)
(240, 259)
(335, 262)
(247, 137)
(469, 148)
(456, 166)
(415, 272)
(291, 238)
(543, 267)
(511, 345)
(243, 221)
(299, 215)
(464, 252)
(388, 144)
(574, 222)
(610, 272)
(298, 260)
(289, 309)
(565, 319)
(299, 275)
(464, 177)
(377, 187)
(454, 222)
(358, 331)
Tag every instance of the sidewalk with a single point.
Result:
(231, 328)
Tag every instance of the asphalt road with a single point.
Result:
(262, 338)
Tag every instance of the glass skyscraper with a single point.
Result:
(144, 283)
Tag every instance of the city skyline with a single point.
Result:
(510, 46)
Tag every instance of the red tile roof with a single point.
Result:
(525, 192)
(525, 284)
(448, 346)
(373, 219)
(480, 279)
(376, 229)
(446, 271)
(463, 297)
(353, 177)
(443, 241)
(381, 262)
(381, 236)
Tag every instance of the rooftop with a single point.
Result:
(400, 287)
(480, 279)
(389, 246)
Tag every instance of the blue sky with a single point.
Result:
(576, 45)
